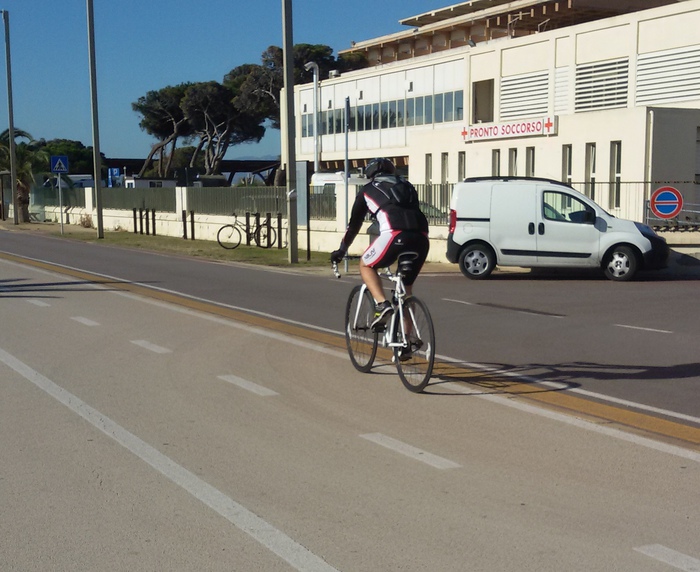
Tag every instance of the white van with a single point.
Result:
(330, 183)
(530, 222)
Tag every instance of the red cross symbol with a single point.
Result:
(548, 126)
(464, 133)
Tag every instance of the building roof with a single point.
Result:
(469, 23)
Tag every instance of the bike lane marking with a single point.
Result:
(671, 557)
(275, 540)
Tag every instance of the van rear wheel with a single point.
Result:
(477, 260)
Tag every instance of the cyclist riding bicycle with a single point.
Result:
(393, 202)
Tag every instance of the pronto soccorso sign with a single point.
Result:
(539, 126)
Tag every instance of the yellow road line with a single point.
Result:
(443, 372)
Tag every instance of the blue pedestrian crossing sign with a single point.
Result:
(59, 164)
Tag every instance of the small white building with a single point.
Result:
(603, 95)
(138, 182)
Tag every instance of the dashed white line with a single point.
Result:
(663, 554)
(85, 321)
(249, 385)
(151, 347)
(39, 303)
(643, 329)
(410, 451)
(296, 555)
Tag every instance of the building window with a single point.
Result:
(615, 173)
(449, 106)
(155, 184)
(512, 162)
(419, 111)
(428, 109)
(461, 166)
(482, 104)
(530, 162)
(428, 169)
(496, 163)
(399, 112)
(590, 170)
(566, 164)
(439, 107)
(459, 105)
(444, 167)
(410, 112)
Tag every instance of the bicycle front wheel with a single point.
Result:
(415, 361)
(265, 237)
(228, 236)
(359, 337)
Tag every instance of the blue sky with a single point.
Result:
(144, 45)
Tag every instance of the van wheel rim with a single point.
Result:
(619, 265)
(477, 262)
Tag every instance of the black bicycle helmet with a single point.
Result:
(379, 166)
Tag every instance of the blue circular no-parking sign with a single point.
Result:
(666, 202)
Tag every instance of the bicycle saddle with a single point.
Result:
(406, 260)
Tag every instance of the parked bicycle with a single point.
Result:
(262, 234)
(410, 334)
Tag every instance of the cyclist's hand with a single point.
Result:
(337, 255)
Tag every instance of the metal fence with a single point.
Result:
(48, 197)
(229, 200)
(161, 199)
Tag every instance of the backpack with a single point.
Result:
(399, 191)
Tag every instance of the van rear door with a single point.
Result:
(566, 233)
(513, 217)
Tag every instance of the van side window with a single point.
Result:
(565, 208)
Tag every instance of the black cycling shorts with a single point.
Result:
(387, 246)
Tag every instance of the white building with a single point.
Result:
(604, 95)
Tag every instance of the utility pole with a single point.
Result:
(291, 167)
(96, 158)
(11, 125)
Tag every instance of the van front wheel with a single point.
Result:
(621, 264)
(477, 261)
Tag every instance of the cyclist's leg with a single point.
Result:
(416, 242)
(379, 254)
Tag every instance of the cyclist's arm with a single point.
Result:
(357, 216)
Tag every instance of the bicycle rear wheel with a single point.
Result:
(228, 236)
(359, 337)
(415, 363)
(265, 237)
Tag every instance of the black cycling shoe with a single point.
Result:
(382, 314)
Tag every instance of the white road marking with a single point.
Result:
(248, 385)
(260, 530)
(39, 303)
(152, 347)
(459, 302)
(410, 451)
(643, 329)
(85, 321)
(577, 422)
(671, 557)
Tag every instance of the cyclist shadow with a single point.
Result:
(529, 378)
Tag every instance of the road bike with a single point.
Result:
(409, 335)
(262, 234)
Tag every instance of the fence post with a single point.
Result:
(141, 221)
(136, 230)
(184, 224)
(153, 216)
(247, 229)
(192, 224)
(279, 230)
(268, 227)
(148, 226)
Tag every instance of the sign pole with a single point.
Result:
(60, 201)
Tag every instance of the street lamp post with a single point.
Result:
(314, 66)
(11, 124)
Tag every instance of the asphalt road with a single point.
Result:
(175, 414)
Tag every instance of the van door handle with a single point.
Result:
(531, 228)
(540, 228)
